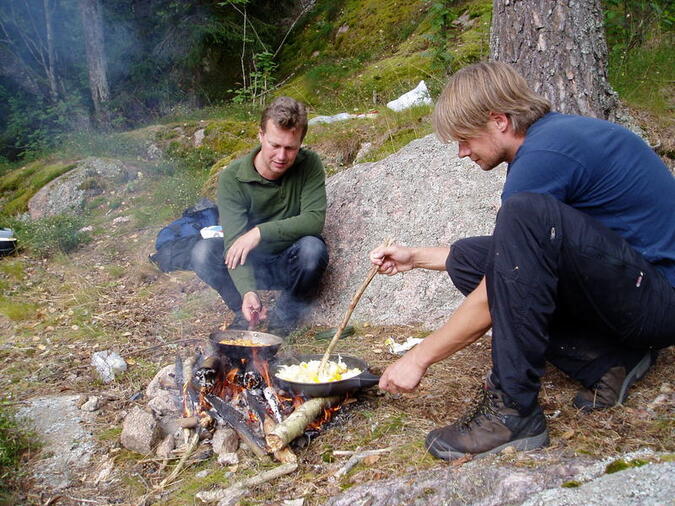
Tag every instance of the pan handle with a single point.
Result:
(368, 379)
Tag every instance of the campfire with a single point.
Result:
(236, 390)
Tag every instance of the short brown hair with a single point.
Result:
(464, 107)
(287, 113)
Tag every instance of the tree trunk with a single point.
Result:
(560, 49)
(92, 23)
(51, 53)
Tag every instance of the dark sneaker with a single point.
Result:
(490, 428)
(239, 322)
(612, 388)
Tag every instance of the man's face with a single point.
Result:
(487, 148)
(279, 147)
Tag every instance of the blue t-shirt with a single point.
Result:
(605, 171)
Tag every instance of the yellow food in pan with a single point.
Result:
(241, 342)
(308, 372)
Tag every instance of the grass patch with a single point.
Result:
(111, 434)
(13, 269)
(17, 311)
(51, 235)
(15, 442)
(644, 77)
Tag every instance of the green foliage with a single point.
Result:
(47, 236)
(15, 442)
(629, 22)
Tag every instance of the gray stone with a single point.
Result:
(140, 431)
(225, 440)
(164, 379)
(198, 137)
(492, 481)
(165, 448)
(68, 445)
(92, 404)
(424, 195)
(153, 152)
(228, 459)
(165, 403)
(69, 192)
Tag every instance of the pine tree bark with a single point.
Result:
(560, 49)
(92, 23)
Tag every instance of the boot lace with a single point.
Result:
(484, 405)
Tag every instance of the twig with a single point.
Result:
(350, 310)
(194, 441)
(355, 459)
(349, 453)
(239, 488)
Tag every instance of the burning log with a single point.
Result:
(207, 373)
(271, 399)
(234, 419)
(297, 422)
(285, 455)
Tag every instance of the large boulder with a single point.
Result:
(70, 191)
(422, 195)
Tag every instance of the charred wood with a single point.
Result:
(227, 414)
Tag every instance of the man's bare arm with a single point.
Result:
(394, 259)
(470, 322)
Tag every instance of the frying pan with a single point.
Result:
(269, 344)
(364, 380)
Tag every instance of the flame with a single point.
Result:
(325, 416)
(262, 367)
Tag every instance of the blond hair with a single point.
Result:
(286, 113)
(464, 107)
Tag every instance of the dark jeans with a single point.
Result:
(562, 287)
(296, 271)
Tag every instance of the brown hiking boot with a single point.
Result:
(490, 428)
(612, 388)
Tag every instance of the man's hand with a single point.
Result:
(392, 259)
(251, 307)
(403, 375)
(237, 253)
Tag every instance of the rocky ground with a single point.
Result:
(107, 296)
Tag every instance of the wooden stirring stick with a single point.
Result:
(350, 310)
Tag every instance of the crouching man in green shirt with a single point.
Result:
(272, 205)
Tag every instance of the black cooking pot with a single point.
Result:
(268, 344)
(364, 380)
(7, 246)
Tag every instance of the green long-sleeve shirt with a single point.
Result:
(284, 210)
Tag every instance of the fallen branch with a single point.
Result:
(297, 422)
(240, 488)
(349, 453)
(355, 459)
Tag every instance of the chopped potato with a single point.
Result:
(308, 372)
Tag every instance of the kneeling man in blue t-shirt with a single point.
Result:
(580, 269)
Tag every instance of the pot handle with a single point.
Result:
(368, 379)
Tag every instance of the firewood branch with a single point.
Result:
(239, 488)
(297, 422)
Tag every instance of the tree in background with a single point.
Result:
(560, 48)
(92, 24)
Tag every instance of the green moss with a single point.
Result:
(16, 310)
(110, 434)
(620, 465)
(21, 184)
(571, 484)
